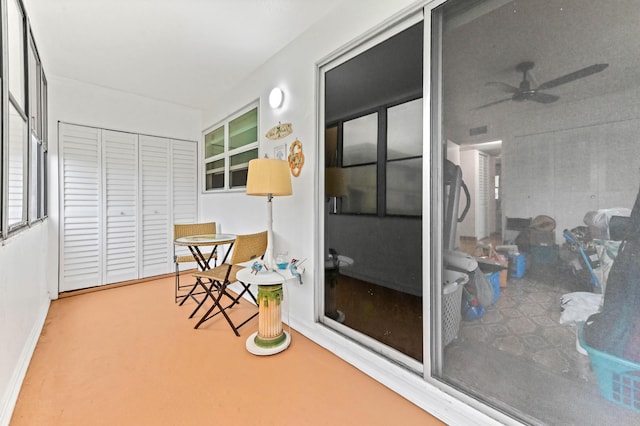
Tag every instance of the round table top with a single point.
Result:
(342, 261)
(205, 239)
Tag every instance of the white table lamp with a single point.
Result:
(271, 178)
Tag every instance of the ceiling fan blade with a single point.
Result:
(493, 103)
(503, 86)
(584, 72)
(543, 98)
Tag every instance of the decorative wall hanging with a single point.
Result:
(296, 158)
(280, 152)
(279, 131)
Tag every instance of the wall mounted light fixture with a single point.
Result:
(276, 98)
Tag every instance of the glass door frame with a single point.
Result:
(340, 56)
(434, 391)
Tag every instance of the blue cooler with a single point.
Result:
(494, 279)
(517, 265)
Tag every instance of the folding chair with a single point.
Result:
(245, 249)
(183, 230)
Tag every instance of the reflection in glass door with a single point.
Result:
(543, 78)
(373, 195)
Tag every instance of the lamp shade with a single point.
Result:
(335, 184)
(267, 176)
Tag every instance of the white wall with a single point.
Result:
(24, 303)
(567, 160)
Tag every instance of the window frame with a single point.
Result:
(228, 153)
(37, 131)
(18, 103)
(34, 196)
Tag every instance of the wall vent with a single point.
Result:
(478, 131)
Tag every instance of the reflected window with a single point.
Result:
(404, 159)
(360, 140)
(361, 189)
(373, 168)
(404, 130)
(404, 187)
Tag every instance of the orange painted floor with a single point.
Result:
(130, 356)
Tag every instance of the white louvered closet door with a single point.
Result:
(185, 195)
(185, 186)
(80, 206)
(482, 196)
(120, 189)
(155, 183)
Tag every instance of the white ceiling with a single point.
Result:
(189, 51)
(181, 51)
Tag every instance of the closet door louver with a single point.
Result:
(184, 182)
(80, 250)
(155, 182)
(185, 203)
(120, 189)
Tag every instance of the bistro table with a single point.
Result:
(194, 242)
(270, 338)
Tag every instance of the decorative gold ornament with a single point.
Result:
(296, 158)
(279, 131)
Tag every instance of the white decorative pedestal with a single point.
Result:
(270, 338)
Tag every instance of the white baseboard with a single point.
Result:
(8, 402)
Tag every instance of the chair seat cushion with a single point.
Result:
(190, 258)
(220, 272)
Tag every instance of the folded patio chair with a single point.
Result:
(216, 281)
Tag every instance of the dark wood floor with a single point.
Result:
(391, 317)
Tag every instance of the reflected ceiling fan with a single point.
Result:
(526, 93)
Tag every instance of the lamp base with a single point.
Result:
(259, 350)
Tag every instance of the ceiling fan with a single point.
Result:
(526, 93)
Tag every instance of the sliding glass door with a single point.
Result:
(373, 193)
(478, 167)
(540, 97)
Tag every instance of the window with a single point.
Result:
(43, 151)
(17, 153)
(37, 108)
(17, 146)
(24, 193)
(228, 148)
(396, 188)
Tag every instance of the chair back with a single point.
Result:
(249, 247)
(186, 229)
